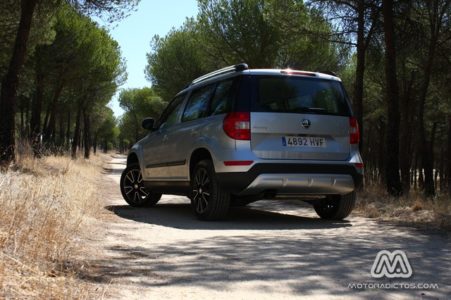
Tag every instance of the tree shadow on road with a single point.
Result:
(285, 250)
(303, 264)
(180, 216)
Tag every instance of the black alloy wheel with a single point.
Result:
(133, 189)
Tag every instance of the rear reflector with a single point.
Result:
(354, 131)
(237, 125)
(359, 165)
(238, 162)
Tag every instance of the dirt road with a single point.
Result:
(269, 250)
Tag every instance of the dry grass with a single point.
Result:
(374, 202)
(47, 205)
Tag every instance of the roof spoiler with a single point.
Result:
(328, 73)
(231, 69)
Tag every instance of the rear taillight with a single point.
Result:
(354, 132)
(237, 125)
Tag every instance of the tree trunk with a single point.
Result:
(425, 149)
(360, 68)
(428, 164)
(448, 171)
(393, 181)
(36, 105)
(380, 153)
(442, 168)
(49, 133)
(420, 178)
(87, 133)
(436, 176)
(68, 129)
(94, 144)
(405, 147)
(77, 130)
(414, 176)
(61, 130)
(46, 118)
(10, 84)
(27, 117)
(22, 118)
(36, 110)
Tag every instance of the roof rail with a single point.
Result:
(230, 69)
(329, 73)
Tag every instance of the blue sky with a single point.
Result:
(136, 31)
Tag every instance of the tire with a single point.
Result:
(133, 189)
(209, 201)
(335, 207)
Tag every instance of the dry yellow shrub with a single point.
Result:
(47, 205)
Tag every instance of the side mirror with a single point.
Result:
(148, 123)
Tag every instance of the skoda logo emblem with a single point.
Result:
(306, 123)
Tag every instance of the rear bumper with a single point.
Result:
(282, 178)
(308, 184)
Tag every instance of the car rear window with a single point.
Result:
(292, 94)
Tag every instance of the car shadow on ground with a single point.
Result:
(265, 243)
(181, 216)
(319, 257)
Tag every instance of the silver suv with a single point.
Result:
(237, 135)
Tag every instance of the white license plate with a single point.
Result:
(304, 141)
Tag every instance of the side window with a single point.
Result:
(197, 105)
(222, 100)
(169, 116)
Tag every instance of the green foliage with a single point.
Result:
(239, 31)
(107, 130)
(42, 31)
(138, 104)
(141, 101)
(112, 10)
(261, 33)
(81, 70)
(175, 60)
(53, 59)
(265, 33)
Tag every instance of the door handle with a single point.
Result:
(165, 138)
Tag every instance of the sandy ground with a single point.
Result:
(268, 250)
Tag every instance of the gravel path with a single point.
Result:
(269, 250)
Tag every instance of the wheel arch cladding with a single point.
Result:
(197, 156)
(132, 158)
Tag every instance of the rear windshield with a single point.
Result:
(300, 95)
